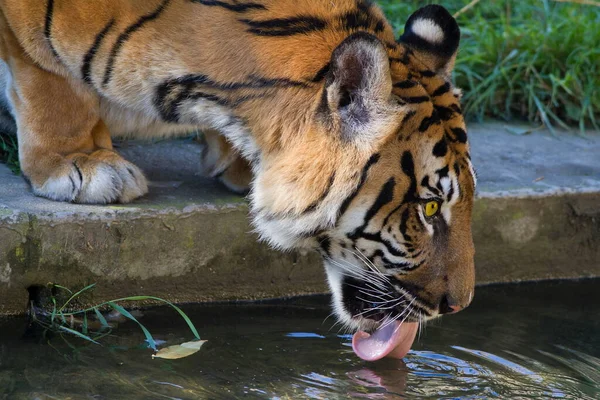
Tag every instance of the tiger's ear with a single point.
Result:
(433, 35)
(358, 85)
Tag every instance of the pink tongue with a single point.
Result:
(394, 340)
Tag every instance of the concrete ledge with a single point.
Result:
(537, 216)
(549, 237)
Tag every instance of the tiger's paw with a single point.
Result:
(234, 173)
(220, 161)
(237, 177)
(98, 178)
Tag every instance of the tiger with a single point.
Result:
(349, 141)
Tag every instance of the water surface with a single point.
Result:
(516, 341)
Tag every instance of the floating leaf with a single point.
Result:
(180, 350)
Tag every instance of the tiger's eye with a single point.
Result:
(431, 208)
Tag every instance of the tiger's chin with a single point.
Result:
(378, 333)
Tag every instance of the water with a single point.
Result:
(518, 341)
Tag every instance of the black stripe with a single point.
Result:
(285, 26)
(176, 91)
(445, 113)
(407, 84)
(237, 7)
(415, 99)
(460, 134)
(404, 225)
(172, 92)
(361, 19)
(389, 264)
(387, 217)
(320, 75)
(425, 183)
(408, 167)
(427, 122)
(376, 237)
(385, 196)
(457, 169)
(427, 74)
(89, 56)
(441, 148)
(325, 244)
(261, 82)
(445, 88)
(364, 5)
(322, 197)
(409, 115)
(48, 26)
(123, 37)
(253, 82)
(450, 193)
(456, 108)
(373, 160)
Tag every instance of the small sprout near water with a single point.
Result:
(64, 316)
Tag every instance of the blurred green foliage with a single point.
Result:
(532, 59)
(9, 153)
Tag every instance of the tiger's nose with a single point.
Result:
(448, 307)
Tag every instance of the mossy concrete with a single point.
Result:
(549, 237)
(537, 216)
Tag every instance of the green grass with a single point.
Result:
(9, 153)
(60, 313)
(532, 60)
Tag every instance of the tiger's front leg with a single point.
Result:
(65, 148)
(221, 161)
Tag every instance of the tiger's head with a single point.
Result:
(382, 184)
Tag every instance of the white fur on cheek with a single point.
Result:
(428, 30)
(445, 182)
(334, 278)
